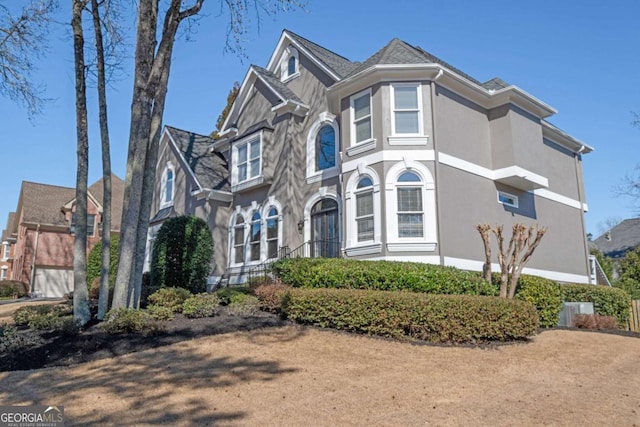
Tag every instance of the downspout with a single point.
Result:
(33, 261)
(436, 165)
(582, 222)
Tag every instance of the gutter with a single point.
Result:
(436, 166)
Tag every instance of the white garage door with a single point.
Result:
(52, 282)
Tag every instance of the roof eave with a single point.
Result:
(562, 138)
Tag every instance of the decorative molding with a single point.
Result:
(374, 248)
(247, 184)
(361, 147)
(408, 140)
(388, 156)
(412, 247)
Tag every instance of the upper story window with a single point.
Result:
(91, 221)
(410, 209)
(289, 64)
(406, 105)
(361, 117)
(323, 148)
(6, 248)
(168, 181)
(247, 160)
(507, 199)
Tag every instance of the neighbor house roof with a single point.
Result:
(622, 238)
(117, 198)
(209, 169)
(339, 64)
(7, 232)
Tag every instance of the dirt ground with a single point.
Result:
(293, 376)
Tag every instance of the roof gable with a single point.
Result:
(622, 238)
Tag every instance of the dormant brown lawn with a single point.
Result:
(297, 376)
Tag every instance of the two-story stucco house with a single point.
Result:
(394, 158)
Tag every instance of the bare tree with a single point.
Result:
(152, 68)
(512, 259)
(231, 98)
(630, 185)
(81, 311)
(22, 41)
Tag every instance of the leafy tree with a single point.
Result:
(231, 98)
(94, 261)
(23, 40)
(182, 254)
(629, 279)
(605, 262)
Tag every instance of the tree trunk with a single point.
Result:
(485, 233)
(103, 300)
(80, 292)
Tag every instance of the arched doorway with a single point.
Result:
(325, 234)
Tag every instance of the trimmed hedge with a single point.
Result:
(434, 318)
(380, 275)
(607, 301)
(171, 298)
(544, 295)
(9, 288)
(225, 294)
(201, 305)
(128, 320)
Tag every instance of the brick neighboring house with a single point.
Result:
(43, 229)
(8, 244)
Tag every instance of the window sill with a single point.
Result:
(291, 77)
(412, 247)
(247, 184)
(361, 147)
(322, 175)
(408, 140)
(366, 249)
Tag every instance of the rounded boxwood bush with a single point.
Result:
(171, 298)
(182, 254)
(544, 295)
(201, 305)
(408, 315)
(127, 320)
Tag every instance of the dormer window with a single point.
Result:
(289, 64)
(168, 178)
(91, 221)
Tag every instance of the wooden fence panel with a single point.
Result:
(634, 319)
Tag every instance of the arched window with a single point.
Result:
(291, 66)
(410, 209)
(272, 233)
(238, 240)
(325, 148)
(168, 181)
(254, 243)
(364, 209)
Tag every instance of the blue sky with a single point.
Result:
(581, 57)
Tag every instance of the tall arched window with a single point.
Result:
(291, 66)
(254, 243)
(238, 240)
(168, 179)
(272, 233)
(410, 209)
(364, 209)
(325, 148)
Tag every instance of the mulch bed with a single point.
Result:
(92, 343)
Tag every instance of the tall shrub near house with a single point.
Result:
(94, 261)
(182, 254)
(629, 279)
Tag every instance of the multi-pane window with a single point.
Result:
(238, 240)
(168, 187)
(3, 273)
(406, 109)
(410, 209)
(291, 66)
(91, 220)
(248, 160)
(364, 209)
(272, 233)
(325, 148)
(5, 250)
(254, 243)
(361, 116)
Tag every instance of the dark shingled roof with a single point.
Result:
(398, 52)
(7, 232)
(117, 198)
(210, 169)
(263, 124)
(620, 239)
(495, 83)
(338, 64)
(273, 81)
(43, 203)
(163, 214)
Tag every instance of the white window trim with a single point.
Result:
(284, 64)
(3, 272)
(249, 242)
(428, 242)
(250, 181)
(232, 226)
(411, 137)
(352, 246)
(6, 251)
(508, 195)
(271, 203)
(322, 193)
(369, 143)
(324, 118)
(163, 188)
